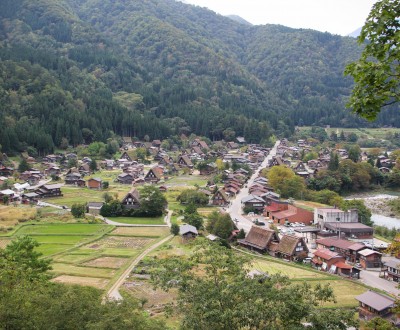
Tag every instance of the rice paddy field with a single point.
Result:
(88, 254)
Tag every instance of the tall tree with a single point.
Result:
(215, 292)
(377, 72)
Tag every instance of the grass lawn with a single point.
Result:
(187, 180)
(140, 221)
(72, 195)
(83, 229)
(294, 273)
(344, 291)
(10, 215)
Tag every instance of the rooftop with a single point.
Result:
(376, 300)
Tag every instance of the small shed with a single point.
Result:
(94, 207)
(188, 231)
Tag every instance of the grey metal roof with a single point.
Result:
(251, 197)
(376, 300)
(184, 229)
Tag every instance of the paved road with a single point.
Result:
(113, 293)
(373, 280)
(235, 208)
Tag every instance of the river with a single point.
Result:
(377, 203)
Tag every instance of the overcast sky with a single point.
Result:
(335, 16)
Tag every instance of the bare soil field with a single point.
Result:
(107, 262)
(141, 231)
(121, 242)
(99, 283)
(4, 242)
(155, 299)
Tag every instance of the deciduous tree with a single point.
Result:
(376, 74)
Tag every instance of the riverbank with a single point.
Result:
(376, 203)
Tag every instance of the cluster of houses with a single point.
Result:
(290, 156)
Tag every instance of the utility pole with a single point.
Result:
(338, 224)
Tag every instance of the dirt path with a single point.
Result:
(113, 293)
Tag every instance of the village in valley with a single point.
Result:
(103, 221)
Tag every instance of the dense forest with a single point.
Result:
(80, 70)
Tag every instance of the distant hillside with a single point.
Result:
(239, 19)
(76, 70)
(355, 33)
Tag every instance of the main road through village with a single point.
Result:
(235, 208)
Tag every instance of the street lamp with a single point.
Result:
(338, 225)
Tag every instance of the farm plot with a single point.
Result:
(155, 299)
(141, 231)
(63, 229)
(139, 221)
(121, 242)
(96, 282)
(4, 243)
(68, 269)
(107, 262)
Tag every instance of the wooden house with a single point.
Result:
(253, 201)
(154, 175)
(49, 190)
(370, 258)
(220, 198)
(184, 161)
(391, 270)
(72, 178)
(291, 247)
(188, 232)
(324, 259)
(131, 199)
(261, 240)
(125, 178)
(94, 183)
(346, 248)
(373, 304)
(94, 208)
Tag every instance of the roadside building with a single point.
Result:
(94, 207)
(261, 240)
(370, 259)
(373, 304)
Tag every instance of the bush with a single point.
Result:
(78, 210)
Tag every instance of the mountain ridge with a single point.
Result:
(155, 67)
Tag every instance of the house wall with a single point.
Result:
(331, 215)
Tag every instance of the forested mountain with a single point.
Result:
(70, 69)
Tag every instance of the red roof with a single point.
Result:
(284, 214)
(342, 265)
(272, 208)
(326, 254)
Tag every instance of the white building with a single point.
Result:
(323, 215)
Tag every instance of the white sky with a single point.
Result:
(334, 16)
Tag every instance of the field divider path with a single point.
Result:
(113, 292)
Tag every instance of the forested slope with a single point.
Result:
(160, 67)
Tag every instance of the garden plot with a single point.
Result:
(4, 243)
(141, 231)
(121, 242)
(63, 229)
(99, 283)
(107, 262)
(68, 269)
(155, 300)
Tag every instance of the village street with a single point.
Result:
(235, 208)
